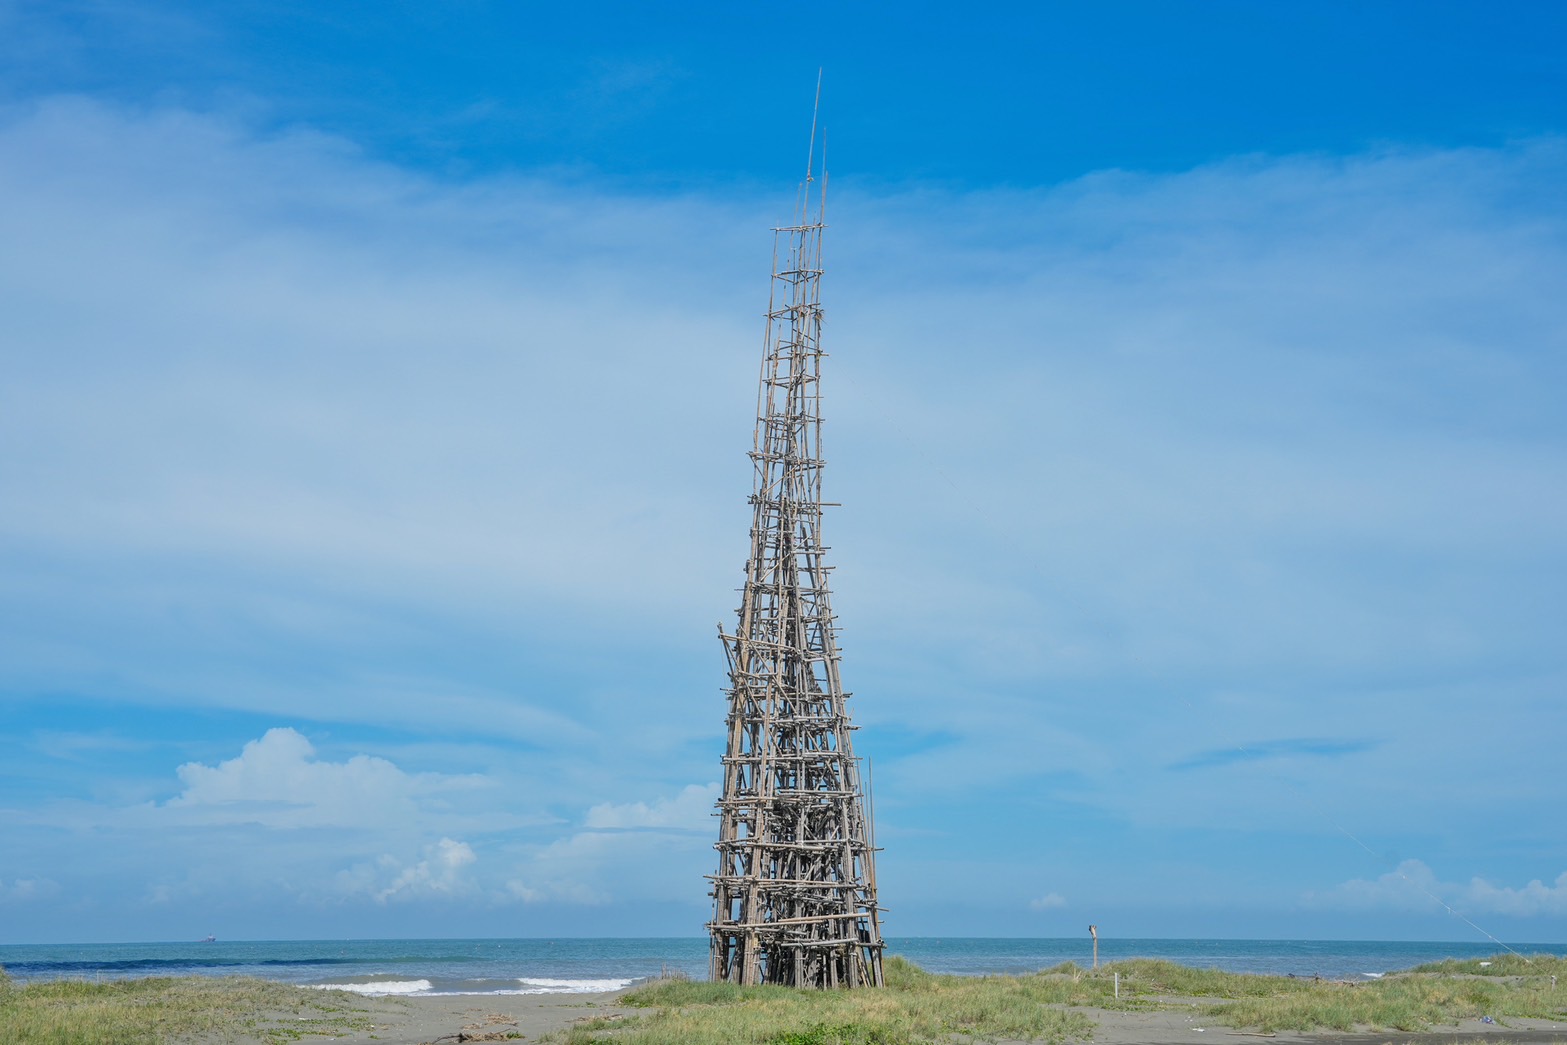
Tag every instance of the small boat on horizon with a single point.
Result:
(209, 939)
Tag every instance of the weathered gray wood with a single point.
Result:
(795, 893)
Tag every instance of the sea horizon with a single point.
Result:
(579, 965)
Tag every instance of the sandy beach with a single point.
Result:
(444, 1020)
(447, 1019)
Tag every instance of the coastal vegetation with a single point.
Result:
(1433, 995)
(920, 1007)
(161, 1010)
(1511, 964)
(917, 1008)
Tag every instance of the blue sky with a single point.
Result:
(378, 384)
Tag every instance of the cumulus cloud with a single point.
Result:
(1048, 902)
(441, 872)
(1413, 886)
(1531, 899)
(690, 810)
(438, 872)
(277, 781)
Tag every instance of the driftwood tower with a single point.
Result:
(795, 892)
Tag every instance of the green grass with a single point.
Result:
(1409, 1002)
(916, 1008)
(159, 1010)
(1439, 994)
(921, 1007)
(1546, 965)
(1150, 980)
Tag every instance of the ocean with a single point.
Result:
(582, 966)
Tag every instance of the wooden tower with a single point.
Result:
(795, 892)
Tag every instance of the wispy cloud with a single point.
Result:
(1264, 750)
(1274, 445)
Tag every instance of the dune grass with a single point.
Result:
(1510, 964)
(1434, 995)
(1411, 1001)
(916, 1008)
(154, 1011)
(919, 1007)
(1438, 994)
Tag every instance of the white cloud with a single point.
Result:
(1268, 448)
(441, 872)
(1410, 886)
(399, 380)
(1048, 902)
(1413, 886)
(276, 781)
(310, 397)
(690, 810)
(1532, 899)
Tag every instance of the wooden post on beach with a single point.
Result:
(1093, 930)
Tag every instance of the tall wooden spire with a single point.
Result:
(795, 892)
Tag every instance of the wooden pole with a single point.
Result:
(1093, 930)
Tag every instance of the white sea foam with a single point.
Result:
(378, 987)
(532, 985)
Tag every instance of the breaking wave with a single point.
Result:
(533, 985)
(378, 988)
